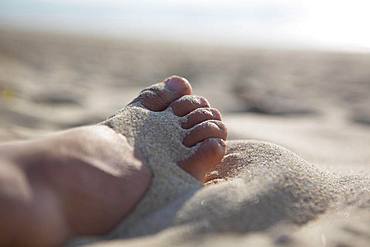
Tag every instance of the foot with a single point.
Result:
(80, 182)
(178, 136)
(203, 131)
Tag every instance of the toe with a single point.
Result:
(187, 104)
(205, 130)
(204, 160)
(200, 115)
(158, 96)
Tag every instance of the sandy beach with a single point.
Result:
(314, 105)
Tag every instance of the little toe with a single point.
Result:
(187, 104)
(208, 155)
(200, 115)
(158, 96)
(205, 130)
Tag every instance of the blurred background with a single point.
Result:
(74, 62)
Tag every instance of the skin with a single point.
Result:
(55, 188)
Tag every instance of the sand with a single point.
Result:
(275, 191)
(349, 228)
(265, 185)
(313, 103)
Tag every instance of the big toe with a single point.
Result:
(158, 97)
(206, 157)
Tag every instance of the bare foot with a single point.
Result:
(178, 136)
(201, 124)
(80, 182)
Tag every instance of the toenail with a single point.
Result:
(217, 141)
(213, 124)
(221, 142)
(216, 114)
(203, 101)
(175, 84)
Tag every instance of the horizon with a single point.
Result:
(269, 23)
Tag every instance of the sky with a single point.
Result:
(322, 24)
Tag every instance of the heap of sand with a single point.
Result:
(265, 184)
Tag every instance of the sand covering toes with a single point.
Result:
(273, 188)
(157, 139)
(157, 136)
(269, 184)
